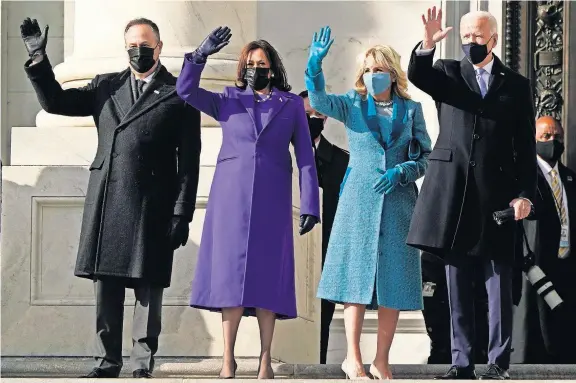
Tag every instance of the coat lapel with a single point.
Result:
(497, 77)
(371, 120)
(156, 91)
(469, 75)
(247, 99)
(399, 118)
(122, 93)
(277, 102)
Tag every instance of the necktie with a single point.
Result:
(559, 197)
(480, 77)
(140, 87)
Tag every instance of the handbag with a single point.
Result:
(414, 150)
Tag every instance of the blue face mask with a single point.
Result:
(376, 83)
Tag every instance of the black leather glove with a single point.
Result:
(179, 231)
(214, 42)
(307, 222)
(34, 41)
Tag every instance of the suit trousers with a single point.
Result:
(498, 282)
(146, 326)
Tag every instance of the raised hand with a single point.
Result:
(433, 31)
(32, 36)
(214, 42)
(321, 43)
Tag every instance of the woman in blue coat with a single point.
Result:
(368, 264)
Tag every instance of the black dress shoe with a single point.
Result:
(456, 372)
(495, 372)
(100, 373)
(142, 374)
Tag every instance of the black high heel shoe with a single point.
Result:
(230, 377)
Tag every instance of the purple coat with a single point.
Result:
(246, 256)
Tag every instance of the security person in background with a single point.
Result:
(142, 189)
(543, 336)
(331, 164)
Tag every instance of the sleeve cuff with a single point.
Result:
(424, 52)
(315, 83)
(194, 58)
(184, 209)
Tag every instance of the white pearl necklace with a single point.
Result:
(258, 99)
(384, 104)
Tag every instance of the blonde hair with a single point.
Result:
(387, 57)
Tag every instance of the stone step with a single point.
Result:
(194, 380)
(181, 369)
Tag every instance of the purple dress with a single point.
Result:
(246, 256)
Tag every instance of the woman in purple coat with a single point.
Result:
(246, 257)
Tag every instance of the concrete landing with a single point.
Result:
(179, 370)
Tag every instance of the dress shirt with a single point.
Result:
(546, 168)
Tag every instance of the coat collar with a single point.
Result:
(399, 119)
(276, 101)
(497, 76)
(160, 87)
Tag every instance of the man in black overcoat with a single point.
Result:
(484, 160)
(543, 336)
(142, 189)
(331, 164)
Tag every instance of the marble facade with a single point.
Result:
(45, 309)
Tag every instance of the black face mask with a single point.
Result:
(476, 53)
(141, 58)
(257, 78)
(316, 126)
(550, 151)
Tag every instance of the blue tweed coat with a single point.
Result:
(368, 261)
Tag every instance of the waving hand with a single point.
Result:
(319, 48)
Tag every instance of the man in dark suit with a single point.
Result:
(484, 160)
(142, 189)
(543, 336)
(331, 164)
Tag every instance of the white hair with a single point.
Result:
(479, 15)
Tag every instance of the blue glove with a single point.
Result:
(388, 180)
(321, 43)
(214, 42)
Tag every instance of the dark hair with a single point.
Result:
(143, 21)
(280, 79)
(303, 94)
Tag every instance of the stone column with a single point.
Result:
(46, 310)
(98, 42)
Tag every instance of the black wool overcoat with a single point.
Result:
(145, 171)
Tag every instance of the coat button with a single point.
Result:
(146, 132)
(140, 158)
(114, 154)
(472, 163)
(476, 136)
(480, 111)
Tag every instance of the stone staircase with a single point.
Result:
(186, 370)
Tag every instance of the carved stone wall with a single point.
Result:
(548, 58)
